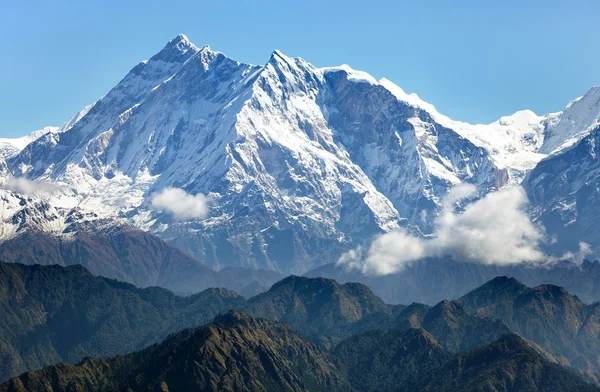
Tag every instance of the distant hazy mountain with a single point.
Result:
(293, 164)
(130, 255)
(432, 280)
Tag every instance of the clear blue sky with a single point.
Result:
(475, 60)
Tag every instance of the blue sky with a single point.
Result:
(474, 60)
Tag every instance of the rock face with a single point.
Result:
(52, 314)
(564, 191)
(11, 147)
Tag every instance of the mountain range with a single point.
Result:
(272, 166)
(433, 279)
(302, 334)
(130, 255)
(52, 314)
(239, 353)
(547, 315)
(65, 314)
(215, 225)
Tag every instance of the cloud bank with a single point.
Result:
(491, 230)
(27, 187)
(180, 204)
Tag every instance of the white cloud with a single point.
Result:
(492, 230)
(181, 204)
(582, 253)
(28, 187)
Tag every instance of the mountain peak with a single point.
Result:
(181, 41)
(501, 287)
(294, 281)
(580, 117)
(176, 49)
(551, 289)
(503, 281)
(594, 89)
(233, 318)
(277, 58)
(277, 55)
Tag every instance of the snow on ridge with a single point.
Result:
(581, 116)
(264, 138)
(12, 146)
(354, 75)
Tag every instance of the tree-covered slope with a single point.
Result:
(234, 353)
(322, 309)
(547, 315)
(389, 360)
(52, 314)
(510, 364)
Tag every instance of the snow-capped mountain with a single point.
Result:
(299, 163)
(565, 192)
(565, 129)
(12, 146)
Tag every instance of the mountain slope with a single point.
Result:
(580, 117)
(234, 353)
(286, 158)
(12, 146)
(454, 328)
(563, 190)
(237, 352)
(322, 309)
(291, 156)
(547, 315)
(52, 314)
(127, 254)
(392, 360)
(508, 364)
